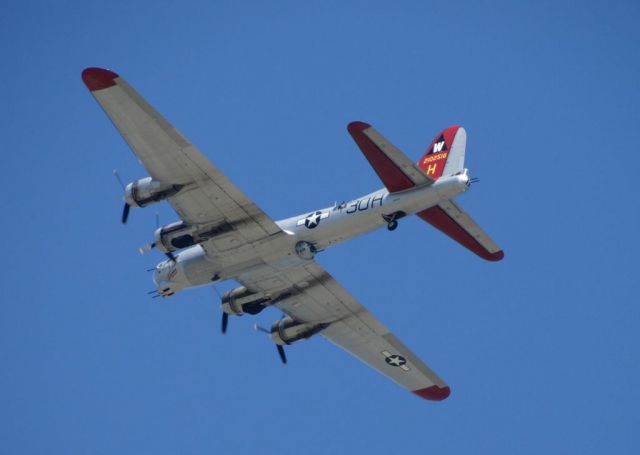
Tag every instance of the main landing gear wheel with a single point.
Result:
(392, 220)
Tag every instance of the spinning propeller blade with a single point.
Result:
(127, 207)
(125, 213)
(280, 348)
(148, 247)
(225, 322)
(283, 356)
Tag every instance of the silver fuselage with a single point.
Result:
(322, 228)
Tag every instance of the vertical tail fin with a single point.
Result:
(445, 155)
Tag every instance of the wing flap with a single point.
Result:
(396, 171)
(449, 218)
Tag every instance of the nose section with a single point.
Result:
(164, 278)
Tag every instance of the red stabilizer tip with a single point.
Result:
(433, 393)
(98, 78)
(356, 127)
(497, 256)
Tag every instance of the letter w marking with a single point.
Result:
(437, 147)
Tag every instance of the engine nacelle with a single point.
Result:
(147, 191)
(174, 236)
(178, 235)
(287, 330)
(240, 301)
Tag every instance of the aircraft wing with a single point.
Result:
(208, 197)
(316, 297)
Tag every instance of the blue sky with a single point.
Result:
(540, 350)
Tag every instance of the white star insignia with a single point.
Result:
(395, 360)
(313, 219)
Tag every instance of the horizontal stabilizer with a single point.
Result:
(396, 171)
(449, 218)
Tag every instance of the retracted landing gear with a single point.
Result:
(392, 219)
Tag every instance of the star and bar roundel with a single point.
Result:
(312, 220)
(395, 360)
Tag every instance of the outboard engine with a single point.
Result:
(287, 330)
(240, 301)
(146, 191)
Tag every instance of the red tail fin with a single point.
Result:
(447, 146)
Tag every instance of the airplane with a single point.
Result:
(223, 235)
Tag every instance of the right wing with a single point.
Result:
(314, 296)
(396, 171)
(449, 218)
(208, 198)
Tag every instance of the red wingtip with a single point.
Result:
(356, 127)
(98, 78)
(434, 393)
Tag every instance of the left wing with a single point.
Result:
(207, 198)
(315, 297)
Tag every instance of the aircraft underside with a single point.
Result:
(221, 234)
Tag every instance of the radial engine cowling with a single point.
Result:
(180, 235)
(287, 330)
(174, 236)
(240, 301)
(147, 191)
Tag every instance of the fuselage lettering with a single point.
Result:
(363, 204)
(353, 207)
(360, 205)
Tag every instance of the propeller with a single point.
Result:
(283, 356)
(127, 207)
(125, 213)
(149, 246)
(225, 322)
(146, 248)
(225, 316)
(279, 347)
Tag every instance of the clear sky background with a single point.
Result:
(541, 350)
